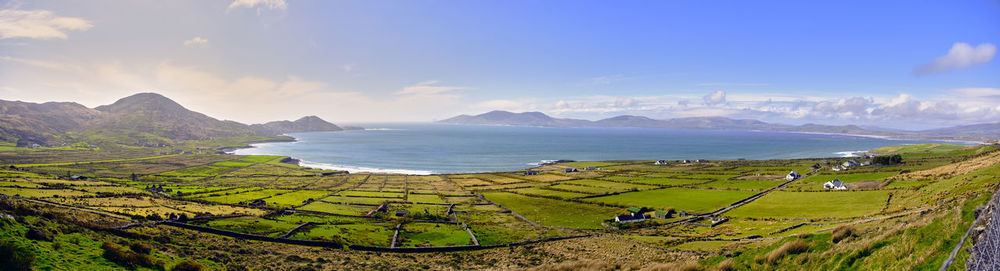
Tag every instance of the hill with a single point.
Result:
(978, 132)
(143, 119)
(31, 123)
(304, 124)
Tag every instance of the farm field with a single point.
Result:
(221, 192)
(840, 204)
(681, 199)
(553, 212)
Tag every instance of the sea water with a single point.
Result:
(445, 148)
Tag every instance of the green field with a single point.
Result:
(552, 212)
(782, 204)
(433, 234)
(339, 209)
(681, 199)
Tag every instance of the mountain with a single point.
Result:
(978, 132)
(31, 123)
(151, 114)
(304, 124)
(144, 119)
(498, 117)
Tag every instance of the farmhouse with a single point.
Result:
(660, 162)
(837, 168)
(590, 168)
(792, 175)
(568, 170)
(530, 172)
(629, 218)
(836, 184)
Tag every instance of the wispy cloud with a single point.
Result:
(960, 56)
(196, 41)
(607, 79)
(38, 24)
(428, 88)
(40, 63)
(268, 4)
(731, 84)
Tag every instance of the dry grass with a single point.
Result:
(955, 169)
(843, 232)
(726, 265)
(790, 248)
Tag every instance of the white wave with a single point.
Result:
(848, 153)
(539, 163)
(354, 169)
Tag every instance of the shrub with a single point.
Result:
(790, 248)
(187, 265)
(843, 232)
(15, 257)
(129, 259)
(141, 248)
(38, 234)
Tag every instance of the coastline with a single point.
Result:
(361, 167)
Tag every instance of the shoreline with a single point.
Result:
(360, 169)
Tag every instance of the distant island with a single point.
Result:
(989, 132)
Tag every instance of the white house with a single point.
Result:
(792, 175)
(660, 162)
(837, 168)
(629, 218)
(836, 184)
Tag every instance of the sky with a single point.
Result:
(892, 64)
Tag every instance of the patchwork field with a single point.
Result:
(933, 193)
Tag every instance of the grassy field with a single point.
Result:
(681, 199)
(836, 204)
(952, 179)
(552, 212)
(433, 234)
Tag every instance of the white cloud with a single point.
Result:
(960, 56)
(38, 24)
(196, 41)
(269, 4)
(607, 79)
(716, 97)
(40, 63)
(427, 88)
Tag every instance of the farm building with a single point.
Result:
(664, 213)
(568, 170)
(836, 184)
(590, 168)
(660, 162)
(530, 172)
(686, 161)
(837, 168)
(629, 218)
(792, 175)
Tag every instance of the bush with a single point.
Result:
(38, 234)
(14, 257)
(188, 265)
(790, 248)
(129, 259)
(141, 248)
(843, 232)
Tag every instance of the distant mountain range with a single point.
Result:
(142, 119)
(978, 132)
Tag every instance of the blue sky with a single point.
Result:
(878, 63)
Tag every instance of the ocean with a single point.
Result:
(445, 148)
